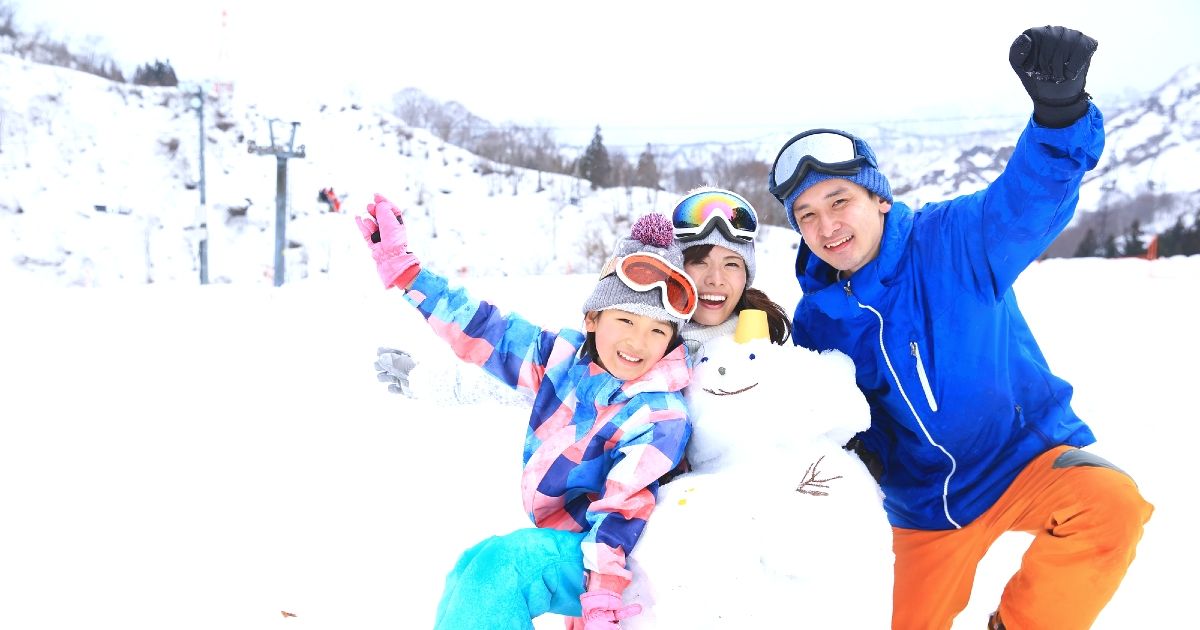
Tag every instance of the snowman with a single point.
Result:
(775, 522)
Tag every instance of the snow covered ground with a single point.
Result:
(200, 457)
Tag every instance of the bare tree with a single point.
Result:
(515, 176)
(620, 169)
(39, 48)
(595, 247)
(744, 174)
(688, 177)
(6, 21)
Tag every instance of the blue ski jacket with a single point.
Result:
(961, 397)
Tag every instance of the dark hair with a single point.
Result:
(778, 324)
(589, 345)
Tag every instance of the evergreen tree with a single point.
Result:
(1171, 242)
(1089, 246)
(1110, 247)
(159, 74)
(1133, 240)
(647, 174)
(594, 165)
(1191, 238)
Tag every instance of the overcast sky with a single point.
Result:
(662, 71)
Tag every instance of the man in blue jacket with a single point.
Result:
(971, 433)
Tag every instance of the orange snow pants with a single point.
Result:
(1086, 517)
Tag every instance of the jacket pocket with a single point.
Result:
(916, 353)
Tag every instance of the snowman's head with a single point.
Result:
(751, 400)
(727, 375)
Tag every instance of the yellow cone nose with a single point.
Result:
(752, 324)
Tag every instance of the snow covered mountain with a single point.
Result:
(90, 165)
(1148, 171)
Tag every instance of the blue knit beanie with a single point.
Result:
(868, 177)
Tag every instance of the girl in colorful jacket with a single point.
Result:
(609, 420)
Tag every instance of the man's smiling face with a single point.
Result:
(842, 223)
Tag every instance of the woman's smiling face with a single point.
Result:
(720, 277)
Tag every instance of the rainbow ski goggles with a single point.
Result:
(699, 214)
(645, 271)
(823, 150)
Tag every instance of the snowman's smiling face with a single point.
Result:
(722, 400)
(721, 392)
(728, 421)
(727, 373)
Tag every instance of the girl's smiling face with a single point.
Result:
(628, 344)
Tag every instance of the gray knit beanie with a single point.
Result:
(651, 234)
(745, 249)
(868, 177)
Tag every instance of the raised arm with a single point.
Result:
(508, 347)
(999, 231)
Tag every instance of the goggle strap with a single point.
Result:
(731, 233)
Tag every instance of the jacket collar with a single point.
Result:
(670, 374)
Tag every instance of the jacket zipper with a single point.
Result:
(917, 416)
(924, 379)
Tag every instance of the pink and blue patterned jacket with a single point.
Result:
(596, 446)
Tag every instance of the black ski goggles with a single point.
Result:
(822, 150)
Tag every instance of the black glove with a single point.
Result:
(871, 460)
(394, 366)
(1052, 62)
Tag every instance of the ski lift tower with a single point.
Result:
(282, 154)
(201, 221)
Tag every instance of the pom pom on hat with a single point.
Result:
(653, 229)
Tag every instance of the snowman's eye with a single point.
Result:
(751, 356)
(703, 359)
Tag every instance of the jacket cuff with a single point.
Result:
(603, 582)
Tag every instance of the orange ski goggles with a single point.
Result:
(645, 271)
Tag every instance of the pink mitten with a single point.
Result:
(387, 237)
(603, 610)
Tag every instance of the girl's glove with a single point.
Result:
(602, 610)
(392, 367)
(387, 237)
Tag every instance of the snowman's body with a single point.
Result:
(776, 523)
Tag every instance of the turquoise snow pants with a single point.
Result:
(505, 581)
